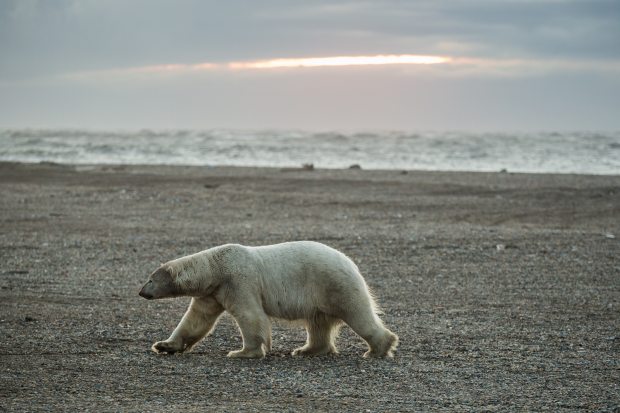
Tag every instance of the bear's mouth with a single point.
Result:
(145, 295)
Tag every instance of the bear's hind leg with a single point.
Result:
(384, 347)
(381, 341)
(322, 331)
(256, 333)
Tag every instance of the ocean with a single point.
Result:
(549, 152)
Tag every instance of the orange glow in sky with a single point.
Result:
(341, 61)
(308, 62)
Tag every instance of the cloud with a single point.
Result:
(44, 37)
(167, 63)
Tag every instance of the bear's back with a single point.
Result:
(301, 278)
(304, 256)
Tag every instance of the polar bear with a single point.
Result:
(302, 280)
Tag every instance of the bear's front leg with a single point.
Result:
(197, 322)
(256, 332)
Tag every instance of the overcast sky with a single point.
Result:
(125, 64)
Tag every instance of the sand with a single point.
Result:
(504, 288)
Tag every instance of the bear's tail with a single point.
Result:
(376, 308)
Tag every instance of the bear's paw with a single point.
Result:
(167, 347)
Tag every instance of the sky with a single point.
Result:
(475, 65)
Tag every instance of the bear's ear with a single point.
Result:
(162, 273)
(169, 272)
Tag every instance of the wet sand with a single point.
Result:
(504, 288)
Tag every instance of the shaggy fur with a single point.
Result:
(301, 280)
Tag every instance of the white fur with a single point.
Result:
(301, 280)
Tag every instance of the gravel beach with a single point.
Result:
(503, 288)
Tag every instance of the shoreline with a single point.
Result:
(94, 166)
(503, 287)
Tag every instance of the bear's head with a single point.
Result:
(160, 285)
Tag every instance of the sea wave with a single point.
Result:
(550, 152)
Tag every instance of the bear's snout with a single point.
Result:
(144, 294)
